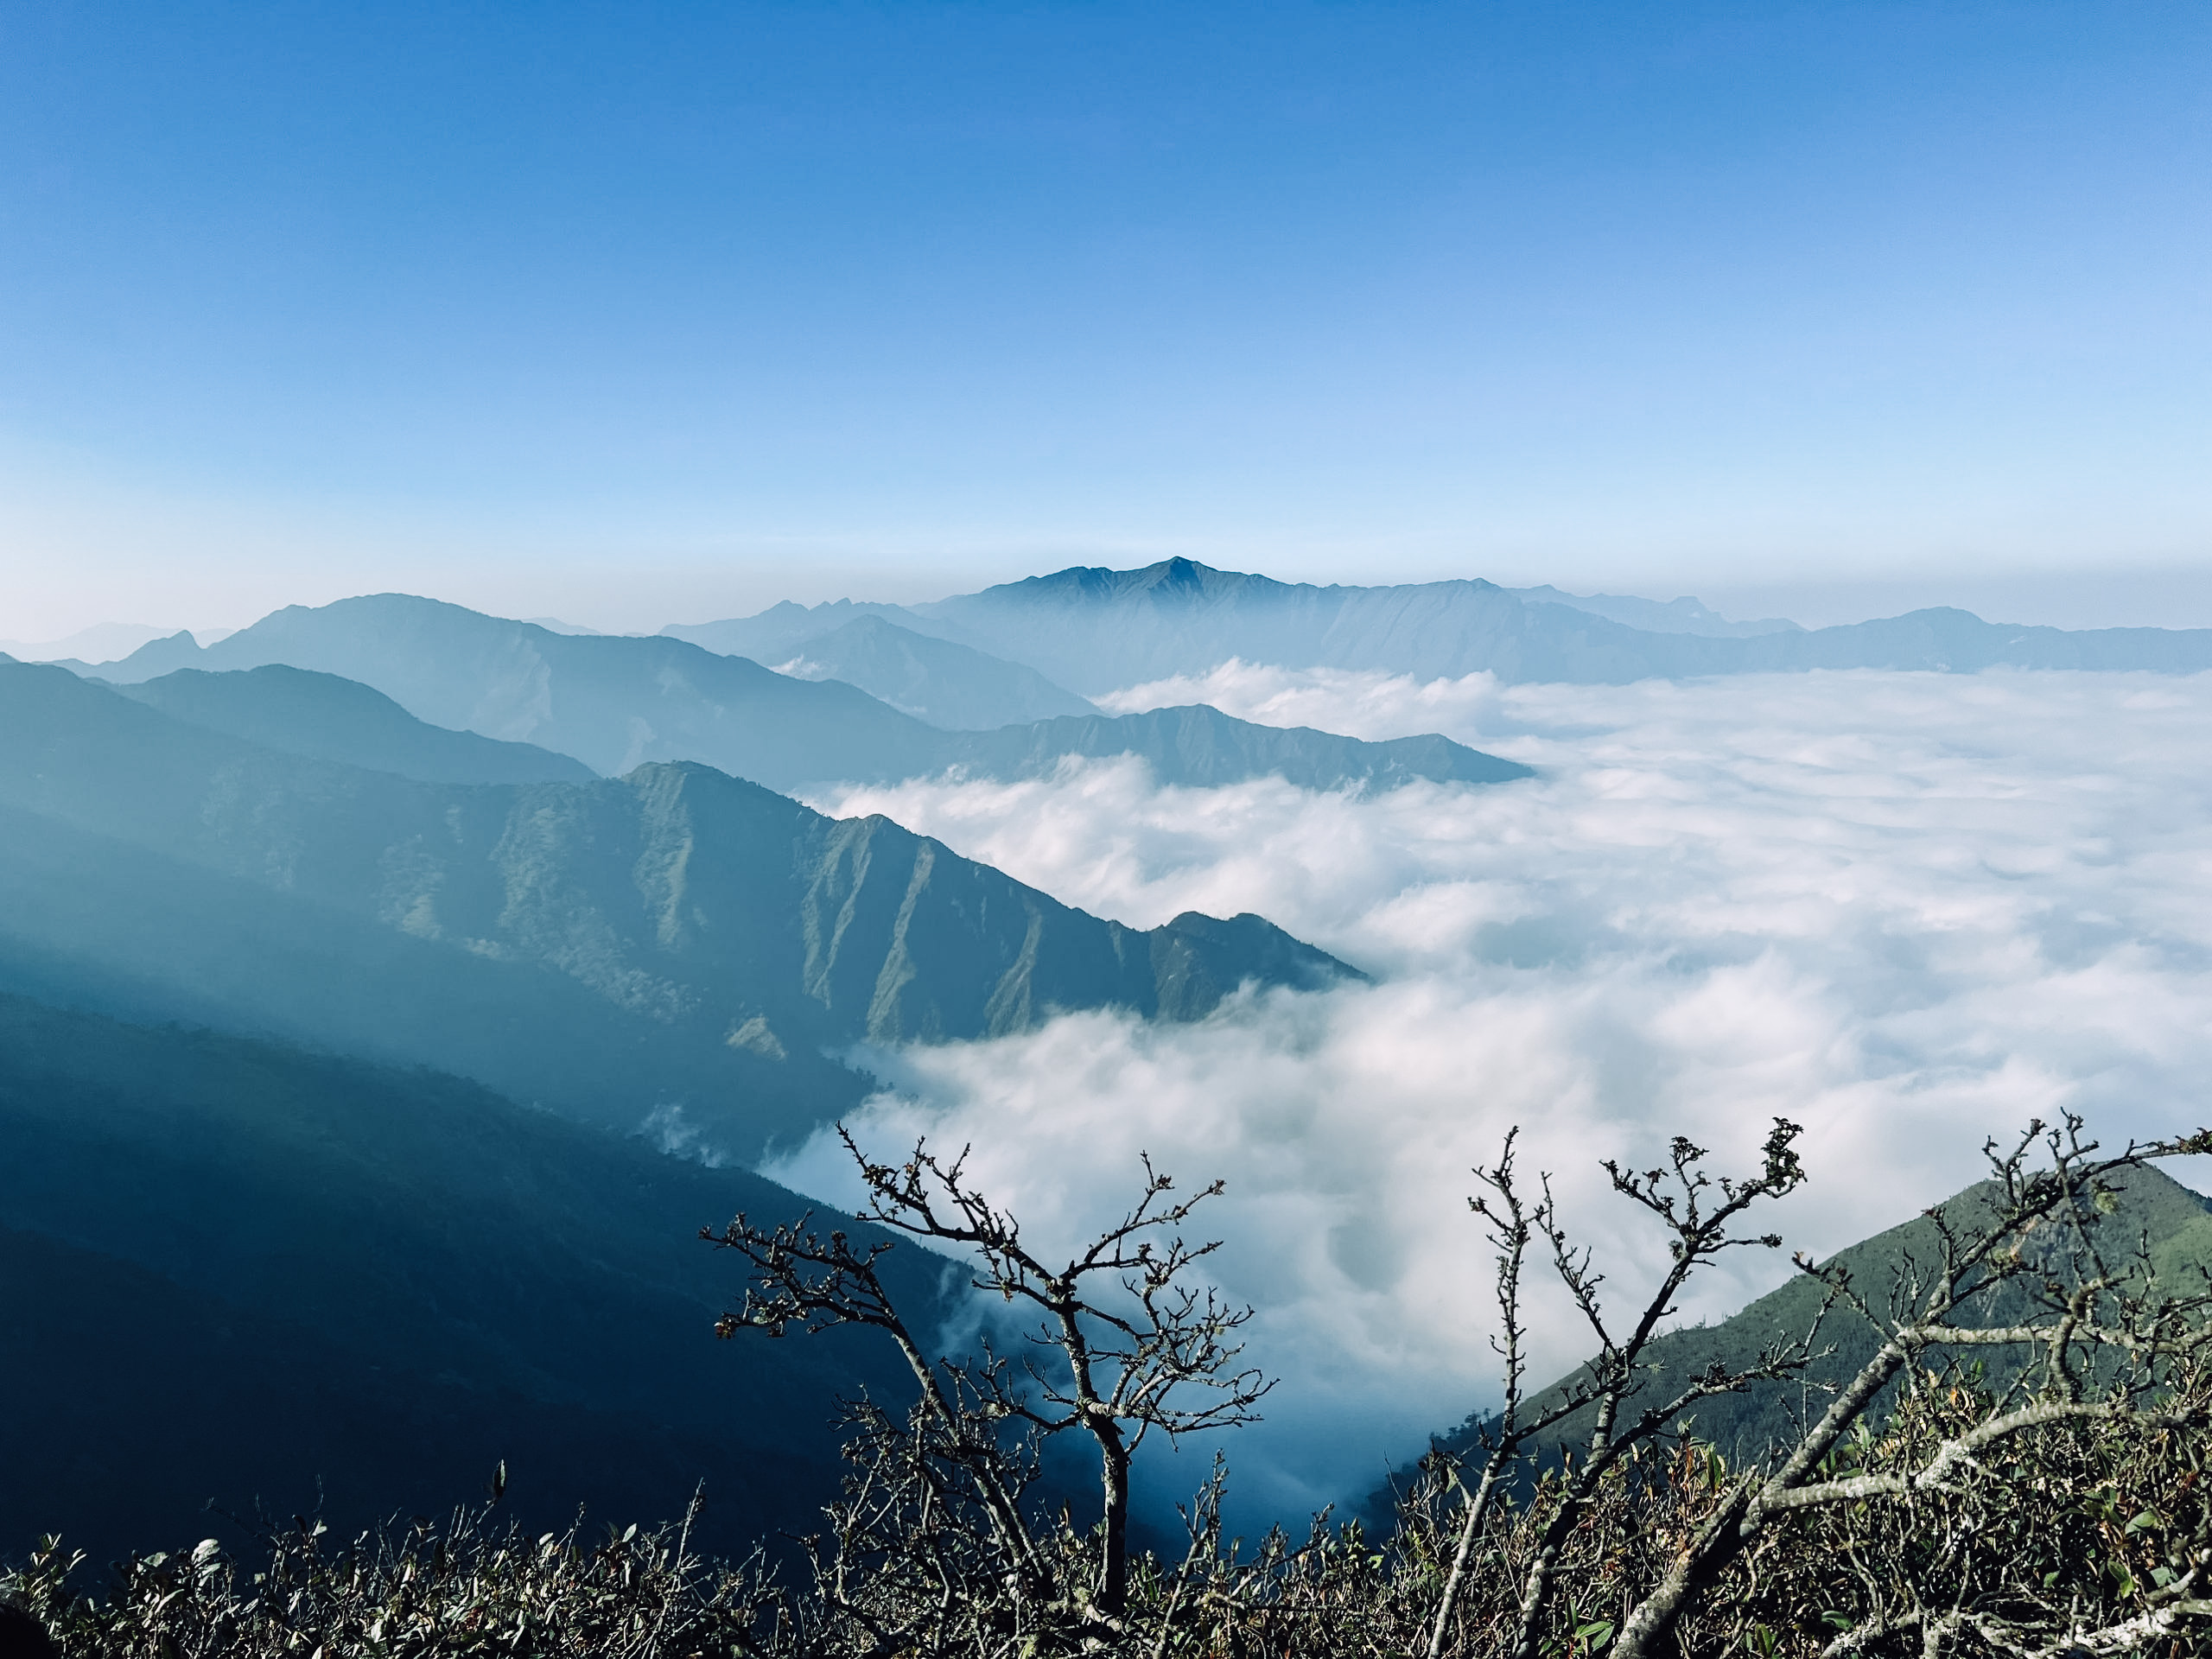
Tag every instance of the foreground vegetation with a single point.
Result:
(1933, 1503)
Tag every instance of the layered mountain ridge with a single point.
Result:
(618, 701)
(1097, 630)
(325, 718)
(677, 937)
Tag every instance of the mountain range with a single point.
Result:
(364, 1084)
(618, 701)
(388, 992)
(232, 1270)
(1095, 630)
(676, 939)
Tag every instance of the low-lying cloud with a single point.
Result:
(1907, 911)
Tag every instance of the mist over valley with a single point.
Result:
(1325, 930)
(1105, 831)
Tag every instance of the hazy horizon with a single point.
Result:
(2161, 599)
(641, 317)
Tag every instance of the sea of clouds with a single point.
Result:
(1906, 911)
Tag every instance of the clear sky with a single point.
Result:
(639, 313)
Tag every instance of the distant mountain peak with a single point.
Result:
(1101, 630)
(1176, 581)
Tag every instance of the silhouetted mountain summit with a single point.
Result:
(1101, 629)
(617, 701)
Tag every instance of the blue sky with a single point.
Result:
(640, 313)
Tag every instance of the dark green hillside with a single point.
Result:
(2178, 1222)
(618, 702)
(674, 937)
(327, 718)
(230, 1267)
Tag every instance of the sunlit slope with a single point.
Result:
(2151, 1206)
(674, 940)
(231, 1270)
(616, 703)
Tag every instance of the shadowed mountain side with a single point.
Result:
(247, 1409)
(1200, 747)
(947, 684)
(340, 1270)
(1097, 629)
(1746, 1426)
(694, 911)
(95, 922)
(618, 702)
(327, 718)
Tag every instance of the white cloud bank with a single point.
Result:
(1904, 910)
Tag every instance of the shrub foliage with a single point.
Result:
(1939, 1504)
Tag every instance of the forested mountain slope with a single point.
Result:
(676, 938)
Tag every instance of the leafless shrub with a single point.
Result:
(467, 1586)
(1941, 1504)
(1125, 1346)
